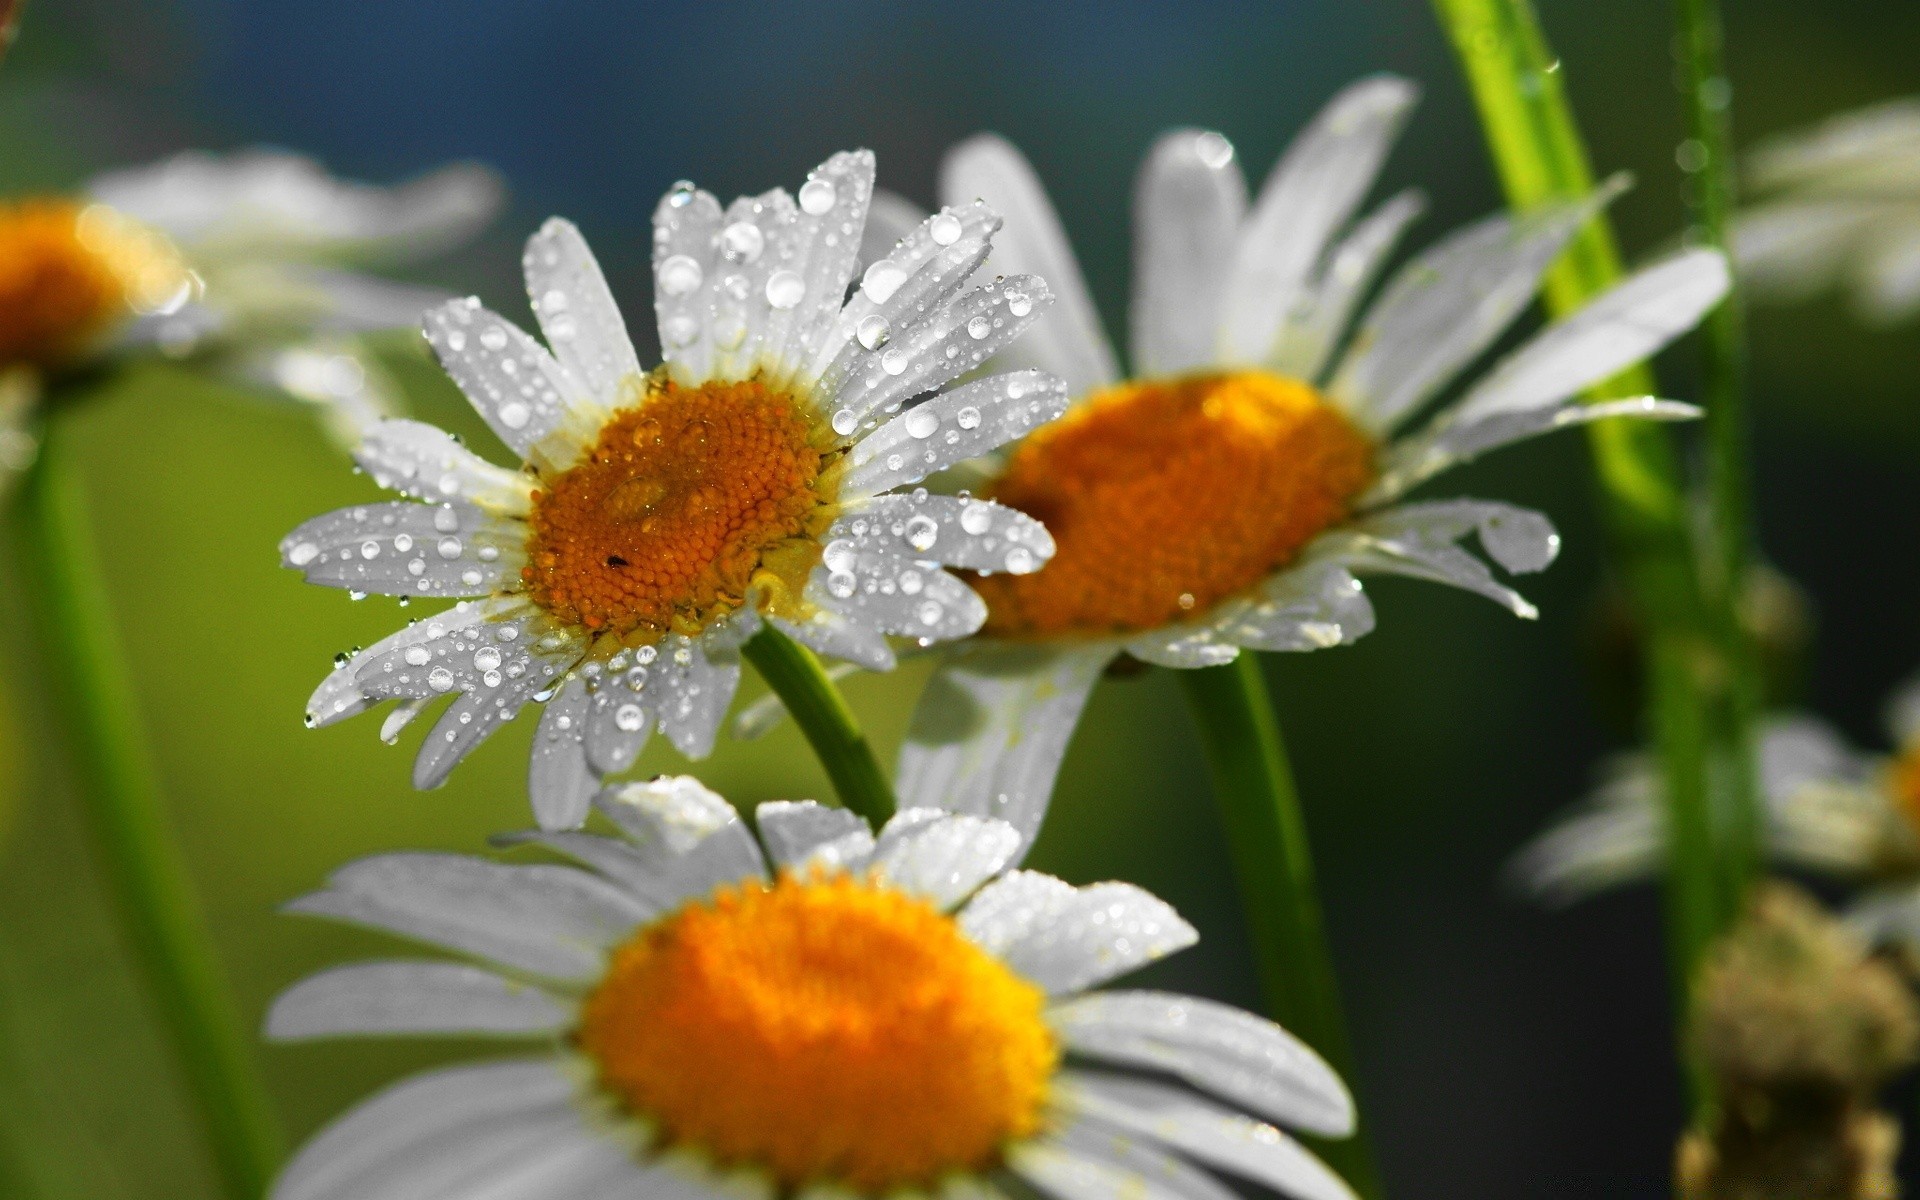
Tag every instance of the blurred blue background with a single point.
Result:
(1504, 1052)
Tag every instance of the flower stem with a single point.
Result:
(1267, 838)
(1710, 193)
(1537, 149)
(142, 861)
(793, 672)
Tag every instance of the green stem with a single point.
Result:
(792, 671)
(1708, 101)
(1267, 838)
(1537, 149)
(140, 858)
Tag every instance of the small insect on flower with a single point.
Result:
(1830, 808)
(242, 261)
(839, 1013)
(1227, 495)
(754, 476)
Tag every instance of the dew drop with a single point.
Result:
(1019, 303)
(303, 554)
(515, 415)
(418, 656)
(944, 229)
(1020, 560)
(456, 340)
(922, 422)
(979, 327)
(680, 195)
(976, 517)
(931, 611)
(440, 679)
(816, 197)
(629, 717)
(417, 567)
(403, 542)
(911, 583)
(841, 584)
(922, 531)
(839, 555)
(844, 422)
(882, 280)
(449, 547)
(369, 549)
(968, 417)
(894, 362)
(1213, 150)
(553, 300)
(742, 242)
(681, 330)
(679, 275)
(645, 654)
(873, 331)
(785, 289)
(493, 338)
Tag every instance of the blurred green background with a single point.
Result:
(1504, 1051)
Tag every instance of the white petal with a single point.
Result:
(686, 252)
(1071, 343)
(390, 1130)
(457, 650)
(615, 859)
(547, 920)
(1187, 206)
(559, 778)
(1311, 329)
(1086, 1162)
(1887, 282)
(338, 696)
(946, 345)
(977, 534)
(577, 313)
(1233, 1054)
(898, 595)
(1832, 153)
(412, 997)
(1887, 914)
(1187, 646)
(1794, 248)
(1412, 461)
(1616, 836)
(967, 422)
(891, 218)
(1620, 327)
(427, 463)
(1067, 939)
(690, 839)
(918, 276)
(1519, 539)
(835, 634)
(1447, 305)
(946, 860)
(399, 548)
(1311, 194)
(990, 730)
(1313, 605)
(1418, 541)
(524, 396)
(618, 726)
(690, 692)
(794, 829)
(825, 249)
(1224, 1140)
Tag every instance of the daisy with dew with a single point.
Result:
(755, 478)
(1226, 495)
(1830, 808)
(819, 1012)
(1837, 206)
(253, 263)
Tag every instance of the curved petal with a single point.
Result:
(794, 829)
(559, 777)
(947, 859)
(428, 463)
(1067, 939)
(1187, 207)
(1071, 344)
(689, 839)
(1313, 605)
(897, 595)
(686, 251)
(399, 548)
(1311, 330)
(835, 634)
(524, 396)
(577, 313)
(952, 427)
(976, 534)
(412, 996)
(989, 732)
(1084, 1161)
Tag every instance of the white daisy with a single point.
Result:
(662, 516)
(858, 1016)
(1837, 206)
(239, 260)
(1228, 493)
(1830, 808)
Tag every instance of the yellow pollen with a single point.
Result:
(686, 501)
(1166, 497)
(69, 273)
(822, 1030)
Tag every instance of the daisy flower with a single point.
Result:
(663, 515)
(840, 1014)
(1831, 809)
(1837, 206)
(1228, 493)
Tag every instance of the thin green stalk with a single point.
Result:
(1710, 192)
(1537, 149)
(792, 671)
(142, 862)
(1273, 863)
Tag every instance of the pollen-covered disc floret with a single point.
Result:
(684, 503)
(1167, 496)
(814, 1009)
(824, 1029)
(70, 272)
(762, 474)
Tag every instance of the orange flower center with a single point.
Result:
(823, 1030)
(685, 503)
(1903, 782)
(69, 273)
(1166, 497)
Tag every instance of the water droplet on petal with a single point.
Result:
(976, 517)
(931, 611)
(922, 531)
(680, 275)
(968, 417)
(515, 415)
(449, 547)
(839, 555)
(494, 338)
(1020, 560)
(1018, 303)
(303, 554)
(742, 242)
(979, 327)
(817, 196)
(944, 229)
(445, 519)
(440, 679)
(922, 422)
(844, 422)
(873, 331)
(841, 584)
(418, 656)
(894, 362)
(629, 717)
(680, 330)
(785, 289)
(403, 542)
(680, 195)
(1213, 150)
(882, 280)
(486, 658)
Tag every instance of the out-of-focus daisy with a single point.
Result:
(663, 515)
(1830, 808)
(1837, 206)
(841, 1015)
(1228, 493)
(242, 260)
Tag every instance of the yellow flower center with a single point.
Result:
(69, 273)
(822, 1030)
(1903, 782)
(686, 501)
(1168, 496)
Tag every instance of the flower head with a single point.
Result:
(818, 1010)
(1229, 494)
(663, 515)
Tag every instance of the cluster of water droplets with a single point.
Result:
(400, 548)
(509, 377)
